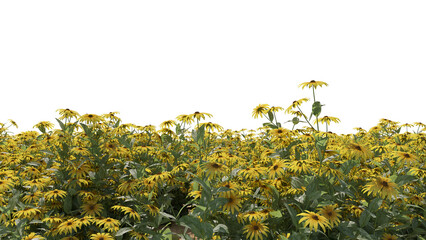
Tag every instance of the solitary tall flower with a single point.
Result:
(296, 104)
(312, 84)
(260, 109)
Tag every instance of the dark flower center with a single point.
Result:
(275, 167)
(385, 184)
(315, 217)
(256, 228)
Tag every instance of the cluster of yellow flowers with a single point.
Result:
(96, 178)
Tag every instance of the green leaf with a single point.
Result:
(293, 215)
(295, 120)
(122, 231)
(403, 179)
(270, 116)
(276, 214)
(374, 205)
(68, 204)
(364, 218)
(316, 109)
(61, 124)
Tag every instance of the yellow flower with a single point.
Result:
(388, 236)
(195, 194)
(28, 213)
(296, 104)
(198, 115)
(109, 224)
(168, 124)
(381, 186)
(101, 236)
(405, 157)
(313, 220)
(32, 198)
(139, 236)
(214, 168)
(5, 185)
(332, 214)
(91, 118)
(212, 126)
(69, 226)
(312, 84)
(33, 236)
(127, 210)
(80, 150)
(44, 125)
(277, 169)
(233, 202)
(260, 110)
(55, 194)
(256, 230)
(67, 113)
(92, 208)
(187, 119)
(153, 210)
(327, 120)
(69, 238)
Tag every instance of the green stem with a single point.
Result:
(306, 118)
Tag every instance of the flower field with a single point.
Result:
(97, 178)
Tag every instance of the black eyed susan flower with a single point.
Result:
(85, 221)
(184, 118)
(331, 214)
(27, 213)
(69, 226)
(54, 194)
(101, 236)
(212, 126)
(5, 185)
(128, 186)
(251, 216)
(92, 208)
(168, 124)
(277, 169)
(195, 194)
(90, 118)
(70, 238)
(200, 115)
(139, 236)
(356, 150)
(388, 236)
(233, 201)
(67, 113)
(313, 84)
(80, 150)
(32, 197)
(260, 110)
(296, 104)
(214, 168)
(152, 209)
(314, 220)
(33, 236)
(256, 230)
(405, 157)
(108, 224)
(382, 187)
(44, 125)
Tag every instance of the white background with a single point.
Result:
(154, 60)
